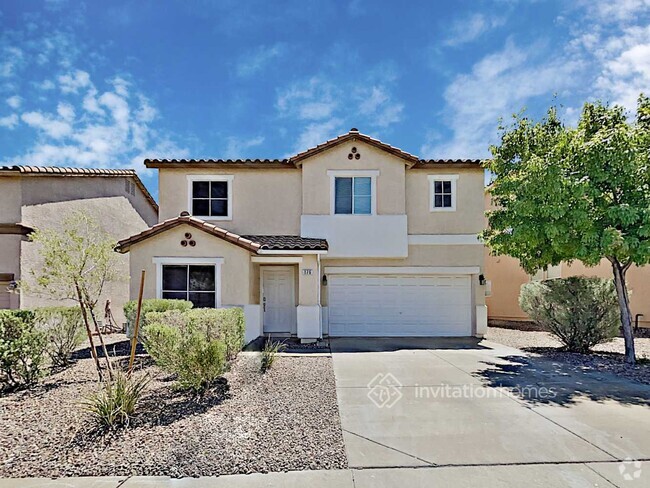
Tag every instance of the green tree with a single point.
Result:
(563, 193)
(78, 261)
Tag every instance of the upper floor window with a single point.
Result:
(210, 196)
(442, 193)
(353, 192)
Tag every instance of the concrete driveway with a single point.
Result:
(448, 403)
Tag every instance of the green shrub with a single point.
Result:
(22, 348)
(223, 323)
(116, 402)
(269, 352)
(64, 329)
(148, 306)
(580, 311)
(191, 349)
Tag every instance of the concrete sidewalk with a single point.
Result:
(578, 475)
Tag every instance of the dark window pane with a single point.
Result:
(219, 189)
(174, 295)
(362, 185)
(200, 189)
(446, 186)
(343, 195)
(174, 278)
(201, 278)
(200, 207)
(203, 300)
(437, 186)
(219, 208)
(447, 201)
(437, 201)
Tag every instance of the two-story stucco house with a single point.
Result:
(352, 237)
(42, 197)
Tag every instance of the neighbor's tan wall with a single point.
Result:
(638, 282)
(265, 201)
(390, 182)
(507, 277)
(468, 255)
(10, 200)
(115, 215)
(235, 271)
(10, 262)
(468, 217)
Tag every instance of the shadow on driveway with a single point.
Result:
(392, 344)
(545, 381)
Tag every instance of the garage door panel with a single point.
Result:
(399, 305)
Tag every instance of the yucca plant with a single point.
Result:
(271, 348)
(116, 402)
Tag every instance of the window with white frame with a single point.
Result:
(196, 283)
(210, 196)
(442, 192)
(353, 192)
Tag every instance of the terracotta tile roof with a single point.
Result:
(289, 243)
(294, 161)
(423, 163)
(61, 171)
(250, 243)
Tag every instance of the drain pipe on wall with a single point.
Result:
(320, 305)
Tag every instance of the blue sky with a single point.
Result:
(107, 84)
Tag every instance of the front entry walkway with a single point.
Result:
(467, 403)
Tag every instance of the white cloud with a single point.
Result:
(50, 126)
(255, 61)
(376, 104)
(318, 132)
(14, 101)
(471, 28)
(9, 122)
(72, 82)
(12, 57)
(498, 85)
(313, 99)
(236, 147)
(46, 85)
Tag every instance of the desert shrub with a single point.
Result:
(193, 351)
(269, 352)
(580, 311)
(116, 402)
(223, 323)
(148, 306)
(22, 348)
(64, 329)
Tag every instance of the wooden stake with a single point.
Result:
(93, 352)
(136, 326)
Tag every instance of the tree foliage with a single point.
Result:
(563, 193)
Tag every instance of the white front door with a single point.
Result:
(278, 299)
(400, 305)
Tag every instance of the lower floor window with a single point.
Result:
(196, 283)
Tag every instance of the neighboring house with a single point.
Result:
(352, 237)
(506, 277)
(41, 197)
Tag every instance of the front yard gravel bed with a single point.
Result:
(286, 419)
(605, 357)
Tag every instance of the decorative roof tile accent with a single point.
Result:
(294, 161)
(289, 243)
(61, 171)
(250, 243)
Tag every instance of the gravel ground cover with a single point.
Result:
(605, 357)
(286, 419)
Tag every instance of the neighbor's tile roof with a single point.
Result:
(61, 171)
(289, 243)
(250, 243)
(293, 161)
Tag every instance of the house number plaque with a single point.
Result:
(307, 271)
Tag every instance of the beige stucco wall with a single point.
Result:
(468, 217)
(265, 201)
(390, 182)
(10, 263)
(308, 284)
(115, 215)
(506, 277)
(10, 200)
(235, 271)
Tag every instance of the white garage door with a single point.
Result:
(399, 305)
